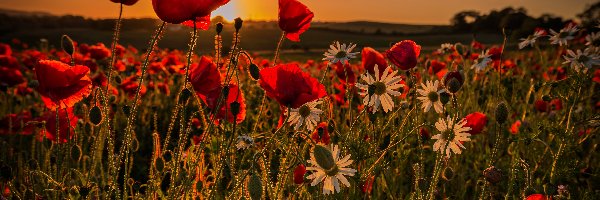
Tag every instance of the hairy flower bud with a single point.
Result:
(501, 113)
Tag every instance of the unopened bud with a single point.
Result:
(219, 28)
(501, 113)
(254, 71)
(238, 24)
(67, 45)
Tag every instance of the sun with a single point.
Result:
(229, 11)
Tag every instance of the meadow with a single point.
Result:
(243, 114)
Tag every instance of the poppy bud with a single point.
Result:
(275, 164)
(453, 85)
(324, 157)
(76, 153)
(159, 164)
(238, 24)
(254, 187)
(501, 113)
(219, 28)
(33, 84)
(460, 48)
(448, 174)
(118, 79)
(456, 76)
(385, 143)
(235, 108)
(299, 173)
(225, 91)
(444, 98)
(95, 115)
(67, 45)
(33, 164)
(126, 110)
(84, 191)
(166, 182)
(331, 126)
(254, 71)
(112, 98)
(492, 175)
(185, 95)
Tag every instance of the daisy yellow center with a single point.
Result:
(304, 111)
(333, 171)
(582, 59)
(433, 96)
(447, 134)
(377, 88)
(563, 34)
(341, 54)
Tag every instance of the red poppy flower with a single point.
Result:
(202, 23)
(438, 68)
(345, 73)
(15, 123)
(299, 174)
(205, 76)
(60, 85)
(538, 197)
(476, 121)
(404, 54)
(290, 86)
(5, 49)
(372, 57)
(235, 95)
(67, 122)
(99, 51)
(596, 76)
(178, 11)
(555, 74)
(129, 85)
(367, 186)
(477, 45)
(543, 106)
(11, 76)
(321, 134)
(514, 128)
(125, 2)
(294, 18)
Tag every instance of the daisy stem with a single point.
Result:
(281, 39)
(435, 177)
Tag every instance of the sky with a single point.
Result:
(394, 11)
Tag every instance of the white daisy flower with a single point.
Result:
(377, 91)
(340, 53)
(565, 34)
(530, 40)
(593, 39)
(451, 134)
(306, 114)
(482, 61)
(446, 47)
(329, 168)
(430, 96)
(244, 142)
(582, 60)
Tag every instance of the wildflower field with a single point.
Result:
(464, 121)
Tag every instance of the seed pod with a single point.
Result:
(254, 187)
(235, 108)
(238, 24)
(501, 113)
(492, 175)
(219, 28)
(118, 79)
(126, 110)
(254, 71)
(274, 165)
(185, 95)
(444, 98)
(95, 115)
(33, 84)
(324, 157)
(67, 45)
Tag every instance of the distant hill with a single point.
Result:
(17, 13)
(369, 27)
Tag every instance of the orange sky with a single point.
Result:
(399, 11)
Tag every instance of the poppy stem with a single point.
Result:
(281, 39)
(113, 57)
(189, 57)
